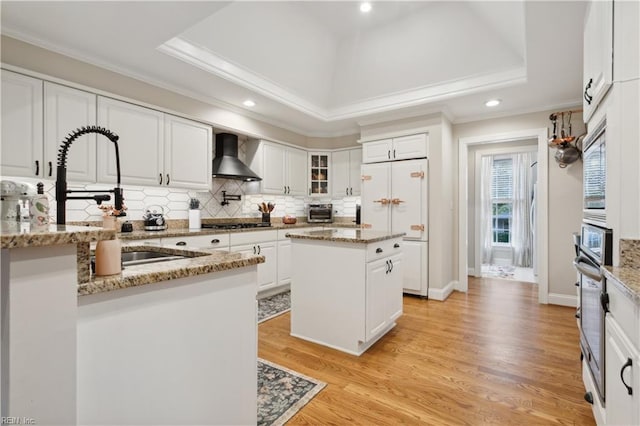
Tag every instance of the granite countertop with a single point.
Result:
(199, 262)
(627, 279)
(626, 276)
(14, 236)
(184, 232)
(345, 235)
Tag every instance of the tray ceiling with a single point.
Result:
(322, 68)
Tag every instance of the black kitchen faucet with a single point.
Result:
(61, 175)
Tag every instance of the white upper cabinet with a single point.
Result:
(626, 41)
(345, 180)
(156, 149)
(141, 132)
(22, 139)
(66, 110)
(283, 169)
(187, 156)
(598, 55)
(296, 166)
(400, 148)
(320, 168)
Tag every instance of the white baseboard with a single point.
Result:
(562, 300)
(471, 272)
(442, 293)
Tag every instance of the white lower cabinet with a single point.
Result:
(263, 243)
(416, 267)
(215, 241)
(621, 377)
(384, 293)
(352, 305)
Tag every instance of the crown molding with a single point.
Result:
(207, 60)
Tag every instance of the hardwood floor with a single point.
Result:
(490, 356)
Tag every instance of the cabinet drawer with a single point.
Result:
(383, 249)
(623, 310)
(253, 237)
(218, 241)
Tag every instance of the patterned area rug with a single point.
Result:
(273, 306)
(498, 271)
(282, 393)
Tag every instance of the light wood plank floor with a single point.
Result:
(490, 356)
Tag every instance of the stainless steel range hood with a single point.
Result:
(226, 163)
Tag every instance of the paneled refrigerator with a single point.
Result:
(394, 199)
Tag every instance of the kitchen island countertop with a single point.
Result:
(345, 235)
(198, 262)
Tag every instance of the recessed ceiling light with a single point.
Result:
(249, 103)
(492, 102)
(365, 7)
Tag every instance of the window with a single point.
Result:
(501, 200)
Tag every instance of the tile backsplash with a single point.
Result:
(175, 201)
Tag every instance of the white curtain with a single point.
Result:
(521, 237)
(486, 209)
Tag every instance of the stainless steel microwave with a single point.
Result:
(320, 213)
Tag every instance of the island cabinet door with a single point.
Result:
(393, 287)
(377, 311)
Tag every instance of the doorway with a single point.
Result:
(465, 203)
(501, 183)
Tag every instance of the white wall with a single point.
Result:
(564, 195)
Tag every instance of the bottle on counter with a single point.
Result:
(39, 209)
(195, 220)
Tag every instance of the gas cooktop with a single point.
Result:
(236, 225)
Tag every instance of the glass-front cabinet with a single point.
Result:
(319, 173)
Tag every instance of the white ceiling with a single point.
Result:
(323, 68)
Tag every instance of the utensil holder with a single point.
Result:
(195, 221)
(108, 257)
(266, 217)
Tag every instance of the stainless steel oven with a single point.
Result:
(594, 251)
(594, 172)
(320, 213)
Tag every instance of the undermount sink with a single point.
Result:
(140, 257)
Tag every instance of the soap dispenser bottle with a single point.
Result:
(39, 209)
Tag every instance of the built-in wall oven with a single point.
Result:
(594, 251)
(595, 176)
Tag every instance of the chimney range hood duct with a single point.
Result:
(226, 163)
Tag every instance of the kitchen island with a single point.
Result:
(346, 287)
(173, 342)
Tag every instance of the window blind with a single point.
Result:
(502, 178)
